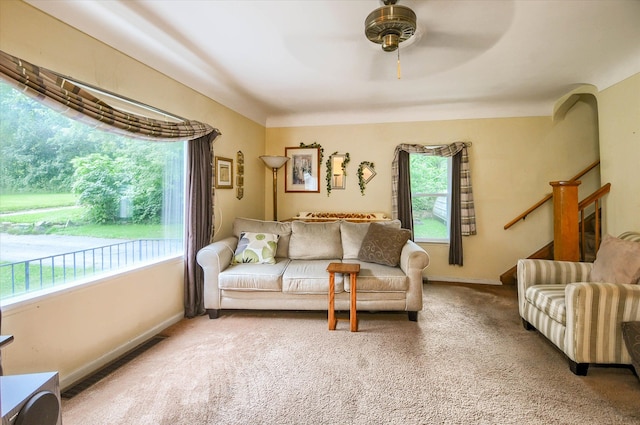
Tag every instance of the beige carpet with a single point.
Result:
(466, 361)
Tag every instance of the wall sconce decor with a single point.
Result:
(366, 172)
(239, 175)
(337, 171)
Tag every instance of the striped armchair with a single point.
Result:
(582, 318)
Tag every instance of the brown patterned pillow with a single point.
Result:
(383, 244)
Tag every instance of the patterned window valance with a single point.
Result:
(68, 97)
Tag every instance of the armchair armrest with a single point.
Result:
(413, 260)
(595, 312)
(549, 272)
(213, 259)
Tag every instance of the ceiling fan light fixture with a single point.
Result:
(390, 25)
(390, 42)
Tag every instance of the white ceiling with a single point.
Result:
(307, 62)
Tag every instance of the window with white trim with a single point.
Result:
(430, 197)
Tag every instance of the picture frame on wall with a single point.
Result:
(224, 173)
(302, 172)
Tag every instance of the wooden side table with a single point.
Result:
(352, 270)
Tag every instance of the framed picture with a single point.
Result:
(302, 172)
(224, 173)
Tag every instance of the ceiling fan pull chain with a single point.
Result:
(399, 71)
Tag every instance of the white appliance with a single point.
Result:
(31, 399)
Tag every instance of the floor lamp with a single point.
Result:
(274, 162)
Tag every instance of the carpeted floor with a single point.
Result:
(467, 360)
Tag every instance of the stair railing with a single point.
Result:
(594, 198)
(548, 197)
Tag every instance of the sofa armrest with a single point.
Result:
(413, 260)
(595, 312)
(213, 259)
(548, 272)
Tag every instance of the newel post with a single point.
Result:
(566, 238)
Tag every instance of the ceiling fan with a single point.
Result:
(389, 26)
(434, 36)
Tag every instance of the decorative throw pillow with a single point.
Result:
(617, 261)
(383, 244)
(353, 234)
(256, 248)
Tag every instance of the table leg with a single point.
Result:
(332, 296)
(353, 311)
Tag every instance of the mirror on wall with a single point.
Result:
(367, 173)
(338, 177)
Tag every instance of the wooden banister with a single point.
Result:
(529, 211)
(594, 198)
(549, 196)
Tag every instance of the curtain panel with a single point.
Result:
(199, 220)
(462, 207)
(63, 95)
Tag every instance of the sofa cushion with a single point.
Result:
(375, 277)
(550, 299)
(309, 277)
(383, 244)
(617, 261)
(253, 277)
(259, 226)
(315, 241)
(352, 235)
(256, 248)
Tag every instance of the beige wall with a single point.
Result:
(512, 162)
(620, 154)
(79, 329)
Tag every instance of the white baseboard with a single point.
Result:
(109, 357)
(462, 280)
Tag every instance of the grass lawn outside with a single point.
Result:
(430, 228)
(13, 279)
(28, 201)
(74, 214)
(69, 220)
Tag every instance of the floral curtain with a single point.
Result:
(462, 206)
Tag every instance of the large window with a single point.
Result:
(76, 202)
(430, 196)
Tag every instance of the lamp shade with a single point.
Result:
(274, 161)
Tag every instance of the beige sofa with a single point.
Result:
(580, 307)
(297, 278)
